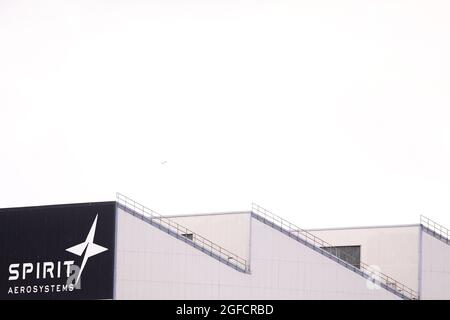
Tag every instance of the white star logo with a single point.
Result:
(89, 248)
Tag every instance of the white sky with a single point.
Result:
(328, 113)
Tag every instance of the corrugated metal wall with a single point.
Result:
(154, 265)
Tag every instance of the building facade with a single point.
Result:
(123, 250)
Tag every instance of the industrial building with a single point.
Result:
(123, 250)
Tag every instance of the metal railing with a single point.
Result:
(435, 228)
(184, 233)
(326, 249)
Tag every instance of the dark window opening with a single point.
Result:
(190, 236)
(350, 254)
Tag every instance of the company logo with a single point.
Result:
(89, 248)
(55, 270)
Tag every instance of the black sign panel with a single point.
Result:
(58, 252)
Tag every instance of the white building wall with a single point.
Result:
(231, 231)
(154, 265)
(435, 268)
(395, 250)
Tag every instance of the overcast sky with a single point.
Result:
(328, 113)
